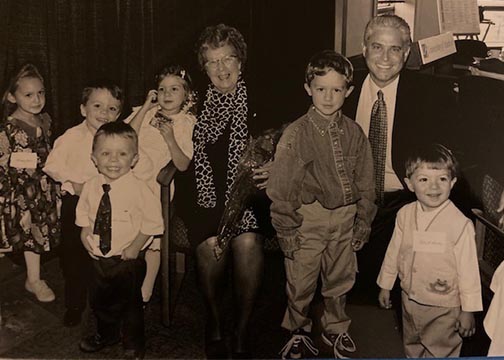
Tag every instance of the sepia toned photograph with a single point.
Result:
(251, 179)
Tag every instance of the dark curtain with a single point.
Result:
(283, 37)
(74, 41)
(70, 42)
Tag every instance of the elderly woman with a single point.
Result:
(220, 137)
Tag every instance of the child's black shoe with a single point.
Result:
(96, 343)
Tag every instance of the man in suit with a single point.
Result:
(412, 108)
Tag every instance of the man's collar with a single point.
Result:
(389, 91)
(392, 85)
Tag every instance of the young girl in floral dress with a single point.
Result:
(29, 199)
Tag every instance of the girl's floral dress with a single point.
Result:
(30, 200)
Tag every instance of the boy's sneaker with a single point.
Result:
(298, 346)
(40, 290)
(342, 344)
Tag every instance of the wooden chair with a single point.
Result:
(490, 246)
(172, 262)
(489, 237)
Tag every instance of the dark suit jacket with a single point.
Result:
(422, 113)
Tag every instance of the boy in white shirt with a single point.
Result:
(118, 214)
(69, 163)
(433, 251)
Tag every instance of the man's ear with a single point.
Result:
(409, 184)
(349, 91)
(83, 110)
(406, 54)
(134, 161)
(11, 98)
(307, 88)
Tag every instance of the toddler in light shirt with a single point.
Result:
(433, 251)
(118, 214)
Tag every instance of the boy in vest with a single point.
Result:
(433, 251)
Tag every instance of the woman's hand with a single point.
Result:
(261, 175)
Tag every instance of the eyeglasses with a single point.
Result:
(227, 61)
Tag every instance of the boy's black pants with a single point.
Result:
(116, 299)
(75, 260)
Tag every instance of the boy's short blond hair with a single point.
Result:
(328, 60)
(435, 156)
(116, 128)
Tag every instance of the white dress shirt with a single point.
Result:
(367, 98)
(70, 159)
(135, 209)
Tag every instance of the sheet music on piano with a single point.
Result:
(461, 17)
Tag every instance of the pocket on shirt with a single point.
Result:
(121, 216)
(122, 221)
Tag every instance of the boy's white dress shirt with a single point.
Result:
(135, 209)
(70, 159)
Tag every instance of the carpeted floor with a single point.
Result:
(30, 329)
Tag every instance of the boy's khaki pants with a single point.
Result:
(429, 331)
(326, 250)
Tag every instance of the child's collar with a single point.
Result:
(320, 122)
